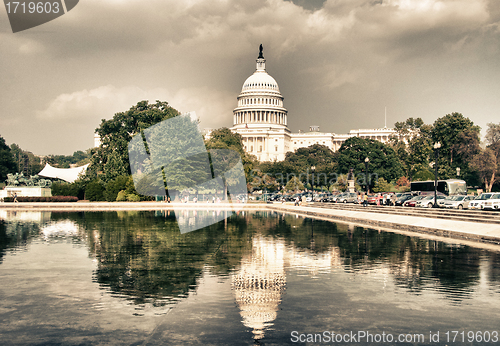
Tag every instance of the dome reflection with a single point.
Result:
(261, 281)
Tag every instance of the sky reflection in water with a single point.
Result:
(102, 278)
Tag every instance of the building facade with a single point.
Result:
(261, 119)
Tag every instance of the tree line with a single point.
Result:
(408, 156)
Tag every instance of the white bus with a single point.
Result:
(448, 187)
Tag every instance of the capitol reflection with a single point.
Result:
(261, 280)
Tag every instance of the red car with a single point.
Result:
(372, 199)
(413, 201)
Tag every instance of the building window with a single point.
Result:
(275, 148)
(260, 149)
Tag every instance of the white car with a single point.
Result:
(478, 203)
(457, 202)
(493, 202)
(428, 201)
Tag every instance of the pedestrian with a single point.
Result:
(393, 200)
(365, 199)
(15, 198)
(384, 199)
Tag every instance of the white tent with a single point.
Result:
(66, 174)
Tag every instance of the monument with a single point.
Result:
(24, 186)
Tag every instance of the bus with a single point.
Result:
(448, 187)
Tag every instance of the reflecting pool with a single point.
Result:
(131, 277)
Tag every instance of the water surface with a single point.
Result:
(114, 278)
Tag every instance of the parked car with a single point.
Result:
(348, 197)
(478, 202)
(372, 199)
(443, 200)
(338, 197)
(493, 203)
(412, 201)
(403, 198)
(325, 198)
(458, 202)
(428, 201)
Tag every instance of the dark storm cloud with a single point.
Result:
(338, 63)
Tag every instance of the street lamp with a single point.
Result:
(366, 173)
(437, 145)
(313, 168)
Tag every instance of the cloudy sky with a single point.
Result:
(338, 63)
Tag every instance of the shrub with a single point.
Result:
(133, 198)
(76, 189)
(122, 196)
(114, 186)
(94, 191)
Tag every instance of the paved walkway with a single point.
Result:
(440, 227)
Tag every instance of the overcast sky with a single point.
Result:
(338, 63)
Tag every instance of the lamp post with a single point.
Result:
(458, 172)
(437, 145)
(366, 173)
(313, 168)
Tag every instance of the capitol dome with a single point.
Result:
(260, 101)
(260, 117)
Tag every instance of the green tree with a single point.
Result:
(225, 139)
(383, 161)
(493, 143)
(381, 185)
(412, 145)
(300, 163)
(7, 163)
(110, 159)
(26, 161)
(459, 139)
(294, 184)
(486, 164)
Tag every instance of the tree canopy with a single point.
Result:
(459, 139)
(111, 159)
(7, 163)
(382, 158)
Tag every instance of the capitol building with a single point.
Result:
(261, 119)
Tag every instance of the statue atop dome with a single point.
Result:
(261, 52)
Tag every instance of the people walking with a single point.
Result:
(15, 198)
(365, 199)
